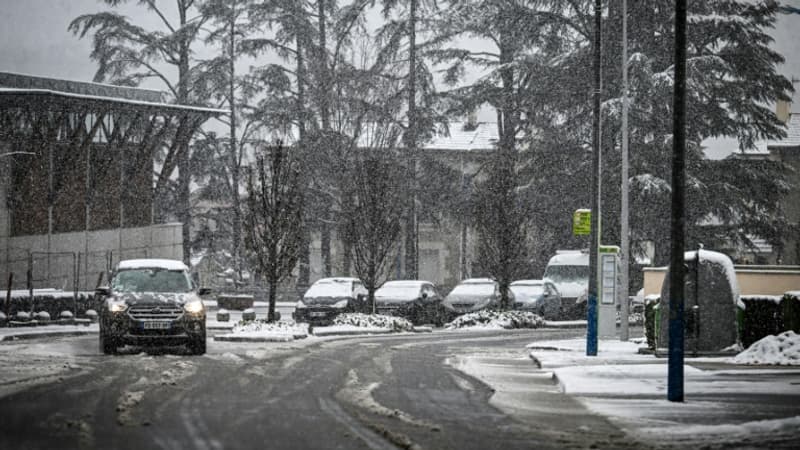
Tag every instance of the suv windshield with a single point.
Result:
(151, 280)
(567, 274)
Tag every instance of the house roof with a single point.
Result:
(792, 138)
(16, 88)
(480, 136)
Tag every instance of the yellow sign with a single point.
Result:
(582, 222)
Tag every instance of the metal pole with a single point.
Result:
(677, 268)
(624, 234)
(594, 236)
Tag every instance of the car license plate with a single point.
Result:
(317, 314)
(157, 325)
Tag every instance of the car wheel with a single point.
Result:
(107, 344)
(197, 346)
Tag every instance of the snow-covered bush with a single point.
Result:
(3, 319)
(497, 319)
(248, 314)
(22, 316)
(223, 315)
(262, 327)
(373, 321)
(42, 316)
(65, 315)
(783, 349)
(91, 315)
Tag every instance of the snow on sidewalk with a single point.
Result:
(729, 405)
(14, 333)
(262, 331)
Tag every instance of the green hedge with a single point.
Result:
(52, 302)
(762, 316)
(767, 316)
(651, 320)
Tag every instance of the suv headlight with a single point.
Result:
(194, 307)
(340, 304)
(116, 305)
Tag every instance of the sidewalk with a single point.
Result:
(726, 405)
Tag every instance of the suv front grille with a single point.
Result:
(155, 312)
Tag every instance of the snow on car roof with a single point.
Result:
(576, 258)
(405, 283)
(477, 281)
(166, 264)
(331, 287)
(528, 283)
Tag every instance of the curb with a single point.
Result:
(563, 325)
(365, 332)
(286, 338)
(48, 334)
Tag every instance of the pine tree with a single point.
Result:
(128, 54)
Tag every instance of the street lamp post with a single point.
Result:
(594, 235)
(624, 233)
(678, 224)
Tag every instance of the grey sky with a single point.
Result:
(34, 39)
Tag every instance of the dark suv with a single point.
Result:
(151, 302)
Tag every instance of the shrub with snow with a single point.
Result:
(42, 316)
(264, 328)
(91, 314)
(65, 315)
(22, 316)
(3, 318)
(782, 350)
(373, 321)
(497, 319)
(249, 314)
(223, 315)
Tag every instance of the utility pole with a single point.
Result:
(594, 235)
(624, 233)
(678, 225)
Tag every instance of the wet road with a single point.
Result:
(377, 393)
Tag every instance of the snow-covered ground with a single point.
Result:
(261, 330)
(494, 320)
(782, 350)
(722, 404)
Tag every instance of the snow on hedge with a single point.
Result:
(782, 350)
(373, 321)
(264, 329)
(497, 319)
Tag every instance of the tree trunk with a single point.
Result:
(234, 151)
(184, 175)
(304, 275)
(410, 136)
(273, 286)
(322, 60)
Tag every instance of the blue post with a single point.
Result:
(591, 326)
(675, 359)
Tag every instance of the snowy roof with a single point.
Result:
(166, 264)
(47, 92)
(477, 281)
(25, 81)
(405, 283)
(792, 138)
(528, 283)
(481, 136)
(574, 258)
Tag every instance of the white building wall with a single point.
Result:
(57, 261)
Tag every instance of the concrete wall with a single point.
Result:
(58, 260)
(753, 280)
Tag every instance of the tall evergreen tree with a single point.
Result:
(128, 54)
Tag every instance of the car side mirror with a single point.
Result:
(104, 291)
(203, 291)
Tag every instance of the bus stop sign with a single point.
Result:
(582, 222)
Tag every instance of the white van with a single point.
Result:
(569, 272)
